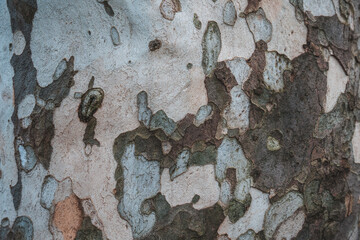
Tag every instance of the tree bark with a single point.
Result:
(174, 119)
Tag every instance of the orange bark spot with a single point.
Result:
(68, 217)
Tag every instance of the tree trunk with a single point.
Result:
(175, 119)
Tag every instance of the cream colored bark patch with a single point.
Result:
(241, 4)
(253, 218)
(288, 35)
(92, 175)
(336, 83)
(88, 39)
(198, 180)
(130, 65)
(237, 41)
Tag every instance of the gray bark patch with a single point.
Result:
(229, 13)
(211, 46)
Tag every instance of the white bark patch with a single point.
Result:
(7, 209)
(225, 192)
(242, 189)
(253, 218)
(198, 180)
(25, 122)
(336, 83)
(280, 211)
(26, 106)
(356, 143)
(231, 155)
(168, 8)
(291, 227)
(319, 7)
(236, 41)
(240, 69)
(237, 114)
(141, 181)
(64, 190)
(60, 69)
(274, 70)
(259, 25)
(130, 65)
(18, 42)
(288, 35)
(86, 39)
(241, 4)
(27, 157)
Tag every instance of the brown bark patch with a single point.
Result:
(224, 74)
(68, 217)
(252, 6)
(257, 63)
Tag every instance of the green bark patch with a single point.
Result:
(88, 231)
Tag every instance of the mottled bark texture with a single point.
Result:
(173, 119)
